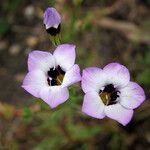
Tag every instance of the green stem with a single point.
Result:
(55, 39)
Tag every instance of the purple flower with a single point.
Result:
(50, 75)
(109, 92)
(52, 21)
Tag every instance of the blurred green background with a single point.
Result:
(104, 31)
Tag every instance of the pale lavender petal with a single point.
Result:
(34, 81)
(132, 95)
(119, 113)
(51, 18)
(72, 76)
(65, 56)
(54, 96)
(40, 60)
(93, 105)
(92, 79)
(117, 74)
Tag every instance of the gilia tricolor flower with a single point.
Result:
(52, 20)
(50, 75)
(109, 92)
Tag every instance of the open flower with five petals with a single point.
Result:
(50, 75)
(109, 92)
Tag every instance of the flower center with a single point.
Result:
(53, 31)
(109, 95)
(55, 76)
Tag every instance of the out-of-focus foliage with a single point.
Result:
(103, 31)
(7, 8)
(143, 77)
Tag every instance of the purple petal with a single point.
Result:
(34, 81)
(54, 96)
(119, 113)
(51, 18)
(40, 60)
(92, 79)
(72, 76)
(93, 106)
(117, 74)
(132, 95)
(65, 56)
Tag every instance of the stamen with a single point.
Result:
(55, 76)
(59, 81)
(109, 95)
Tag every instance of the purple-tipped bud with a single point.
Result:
(52, 20)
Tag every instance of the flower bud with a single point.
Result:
(52, 21)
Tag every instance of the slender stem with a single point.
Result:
(55, 40)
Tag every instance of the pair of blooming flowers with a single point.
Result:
(108, 91)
